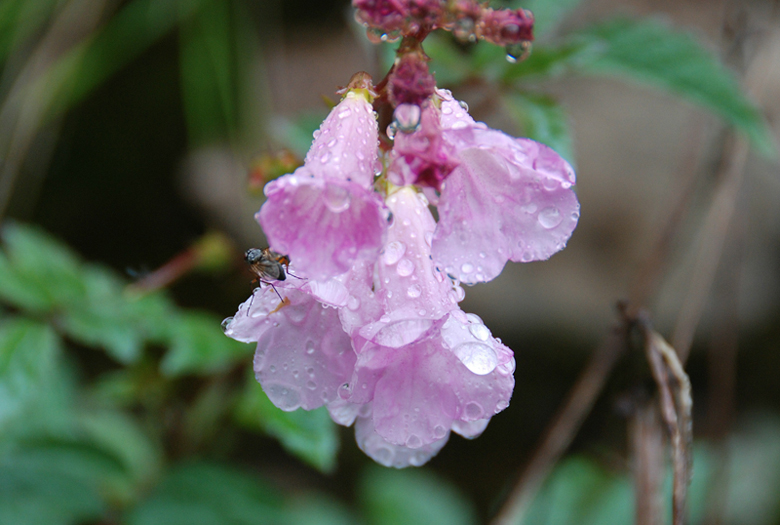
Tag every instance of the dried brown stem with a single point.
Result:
(647, 449)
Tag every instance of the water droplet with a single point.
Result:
(407, 117)
(331, 143)
(309, 347)
(391, 130)
(413, 441)
(550, 217)
(458, 293)
(311, 385)
(284, 397)
(529, 208)
(479, 331)
(325, 157)
(480, 358)
(414, 291)
(446, 110)
(336, 198)
(226, 323)
(353, 303)
(405, 267)
(518, 52)
(393, 252)
(575, 215)
(463, 105)
(344, 112)
(316, 133)
(473, 410)
(429, 238)
(467, 268)
(527, 257)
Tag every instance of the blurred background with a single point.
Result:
(135, 138)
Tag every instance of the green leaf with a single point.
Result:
(53, 483)
(297, 134)
(543, 120)
(549, 61)
(38, 272)
(412, 497)
(19, 19)
(119, 435)
(30, 378)
(312, 436)
(318, 509)
(209, 494)
(652, 52)
(450, 64)
(579, 491)
(198, 346)
(209, 72)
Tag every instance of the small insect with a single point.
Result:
(268, 266)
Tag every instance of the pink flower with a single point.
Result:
(506, 199)
(325, 216)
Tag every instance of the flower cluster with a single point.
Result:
(469, 20)
(370, 324)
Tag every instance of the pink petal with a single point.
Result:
(345, 146)
(324, 226)
(389, 454)
(303, 356)
(510, 199)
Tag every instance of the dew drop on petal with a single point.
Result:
(336, 198)
(467, 268)
(405, 267)
(480, 358)
(439, 431)
(284, 397)
(309, 347)
(407, 117)
(325, 157)
(413, 441)
(311, 385)
(550, 217)
(473, 410)
(479, 331)
(353, 303)
(414, 291)
(226, 323)
(344, 112)
(393, 252)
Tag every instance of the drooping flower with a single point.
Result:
(325, 215)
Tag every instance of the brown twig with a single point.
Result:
(647, 448)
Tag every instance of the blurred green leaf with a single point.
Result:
(318, 509)
(412, 497)
(119, 435)
(297, 134)
(53, 483)
(310, 435)
(652, 52)
(544, 120)
(581, 492)
(29, 354)
(209, 72)
(549, 61)
(209, 494)
(198, 346)
(450, 64)
(19, 19)
(37, 271)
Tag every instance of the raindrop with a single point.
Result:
(332, 143)
(407, 118)
(284, 397)
(479, 331)
(463, 105)
(405, 267)
(393, 252)
(446, 110)
(518, 52)
(344, 113)
(413, 441)
(311, 385)
(478, 357)
(391, 130)
(353, 303)
(439, 431)
(429, 238)
(325, 157)
(550, 217)
(467, 268)
(336, 198)
(309, 347)
(226, 323)
(473, 410)
(414, 291)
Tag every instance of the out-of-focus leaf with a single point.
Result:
(652, 52)
(580, 492)
(208, 72)
(412, 497)
(53, 483)
(29, 354)
(198, 346)
(450, 65)
(318, 509)
(207, 494)
(754, 473)
(126, 35)
(309, 435)
(120, 436)
(297, 134)
(543, 120)
(37, 271)
(19, 19)
(548, 61)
